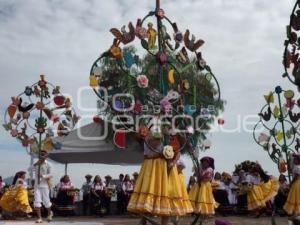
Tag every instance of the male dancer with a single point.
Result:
(42, 169)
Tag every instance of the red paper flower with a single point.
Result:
(142, 81)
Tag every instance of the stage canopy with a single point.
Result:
(83, 146)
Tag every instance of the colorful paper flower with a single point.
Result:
(142, 81)
(168, 152)
(116, 52)
(165, 104)
(138, 107)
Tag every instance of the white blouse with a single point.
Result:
(127, 186)
(97, 187)
(253, 179)
(296, 170)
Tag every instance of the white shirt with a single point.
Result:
(97, 187)
(127, 186)
(221, 185)
(65, 186)
(45, 172)
(253, 179)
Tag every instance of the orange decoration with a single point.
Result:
(116, 51)
(39, 105)
(11, 110)
(282, 166)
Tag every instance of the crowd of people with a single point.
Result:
(248, 189)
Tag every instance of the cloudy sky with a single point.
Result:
(61, 39)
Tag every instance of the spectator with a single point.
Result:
(281, 197)
(108, 192)
(127, 188)
(220, 193)
(96, 195)
(86, 189)
(120, 195)
(65, 197)
(135, 177)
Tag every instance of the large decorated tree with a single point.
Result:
(168, 88)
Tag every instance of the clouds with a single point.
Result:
(244, 46)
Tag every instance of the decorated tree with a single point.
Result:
(39, 113)
(278, 128)
(170, 83)
(291, 59)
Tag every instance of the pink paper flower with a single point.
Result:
(142, 81)
(165, 104)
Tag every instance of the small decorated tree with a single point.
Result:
(277, 130)
(39, 113)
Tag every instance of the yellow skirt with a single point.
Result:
(157, 192)
(15, 199)
(292, 205)
(185, 195)
(202, 199)
(270, 189)
(255, 198)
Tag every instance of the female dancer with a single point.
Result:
(16, 198)
(158, 191)
(201, 194)
(292, 205)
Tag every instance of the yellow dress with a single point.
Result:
(185, 195)
(270, 188)
(255, 198)
(292, 205)
(15, 199)
(202, 199)
(157, 191)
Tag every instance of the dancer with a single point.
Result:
(292, 205)
(42, 185)
(180, 167)
(201, 194)
(16, 198)
(158, 191)
(255, 196)
(269, 186)
(281, 197)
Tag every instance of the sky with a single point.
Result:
(62, 38)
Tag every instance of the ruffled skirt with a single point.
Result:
(202, 199)
(292, 204)
(270, 189)
(158, 191)
(255, 198)
(15, 199)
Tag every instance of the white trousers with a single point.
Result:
(42, 195)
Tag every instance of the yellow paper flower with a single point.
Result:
(116, 51)
(168, 152)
